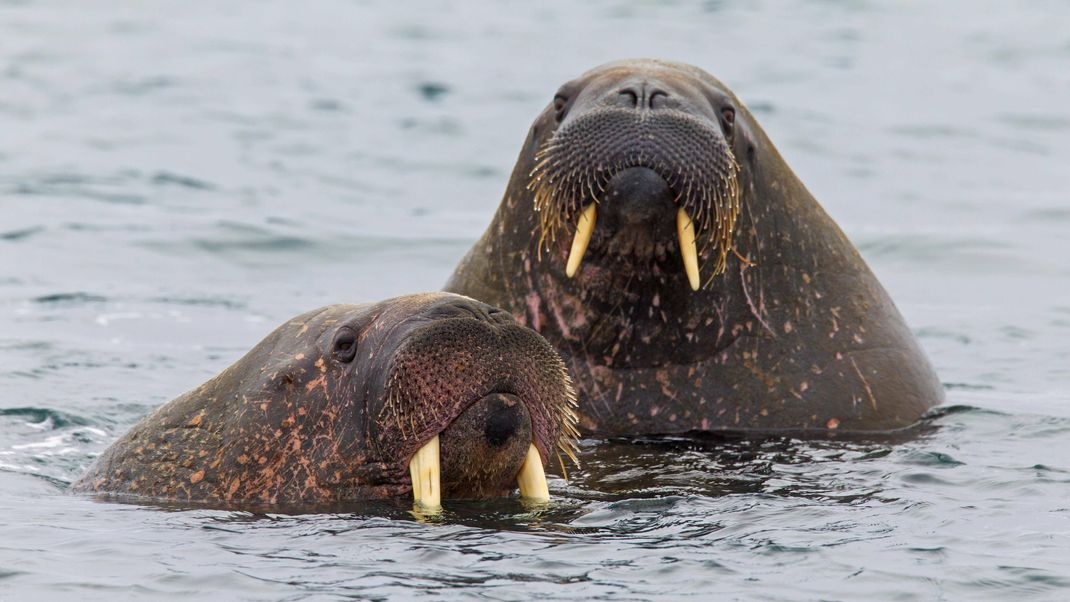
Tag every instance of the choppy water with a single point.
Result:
(176, 178)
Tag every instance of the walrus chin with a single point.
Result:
(492, 422)
(498, 423)
(652, 166)
(506, 433)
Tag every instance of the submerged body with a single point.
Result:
(359, 402)
(655, 236)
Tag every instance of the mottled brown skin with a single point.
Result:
(332, 405)
(796, 334)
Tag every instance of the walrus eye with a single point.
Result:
(560, 102)
(345, 345)
(729, 116)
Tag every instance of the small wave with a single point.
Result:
(142, 86)
(21, 234)
(201, 302)
(432, 91)
(930, 458)
(943, 334)
(45, 418)
(57, 444)
(75, 298)
(967, 387)
(948, 410)
(164, 178)
(71, 187)
(327, 105)
(18, 468)
(945, 248)
(105, 319)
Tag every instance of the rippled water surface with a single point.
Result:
(177, 178)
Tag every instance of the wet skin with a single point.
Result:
(334, 404)
(780, 326)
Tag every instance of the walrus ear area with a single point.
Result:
(344, 346)
(743, 142)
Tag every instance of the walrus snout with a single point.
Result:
(474, 405)
(638, 195)
(637, 216)
(484, 449)
(677, 138)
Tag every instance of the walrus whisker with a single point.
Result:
(572, 170)
(743, 259)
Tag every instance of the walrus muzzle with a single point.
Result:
(459, 389)
(577, 163)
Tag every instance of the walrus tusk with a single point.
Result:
(425, 469)
(532, 478)
(685, 228)
(584, 229)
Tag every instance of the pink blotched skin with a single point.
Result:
(333, 404)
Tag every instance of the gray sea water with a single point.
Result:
(177, 178)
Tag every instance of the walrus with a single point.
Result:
(654, 235)
(433, 394)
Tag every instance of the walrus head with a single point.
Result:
(456, 388)
(637, 164)
(436, 394)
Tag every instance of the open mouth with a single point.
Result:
(578, 164)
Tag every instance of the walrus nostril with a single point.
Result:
(657, 98)
(502, 425)
(467, 308)
(641, 97)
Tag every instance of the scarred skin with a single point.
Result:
(332, 405)
(796, 334)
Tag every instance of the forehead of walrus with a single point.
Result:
(653, 67)
(308, 337)
(360, 317)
